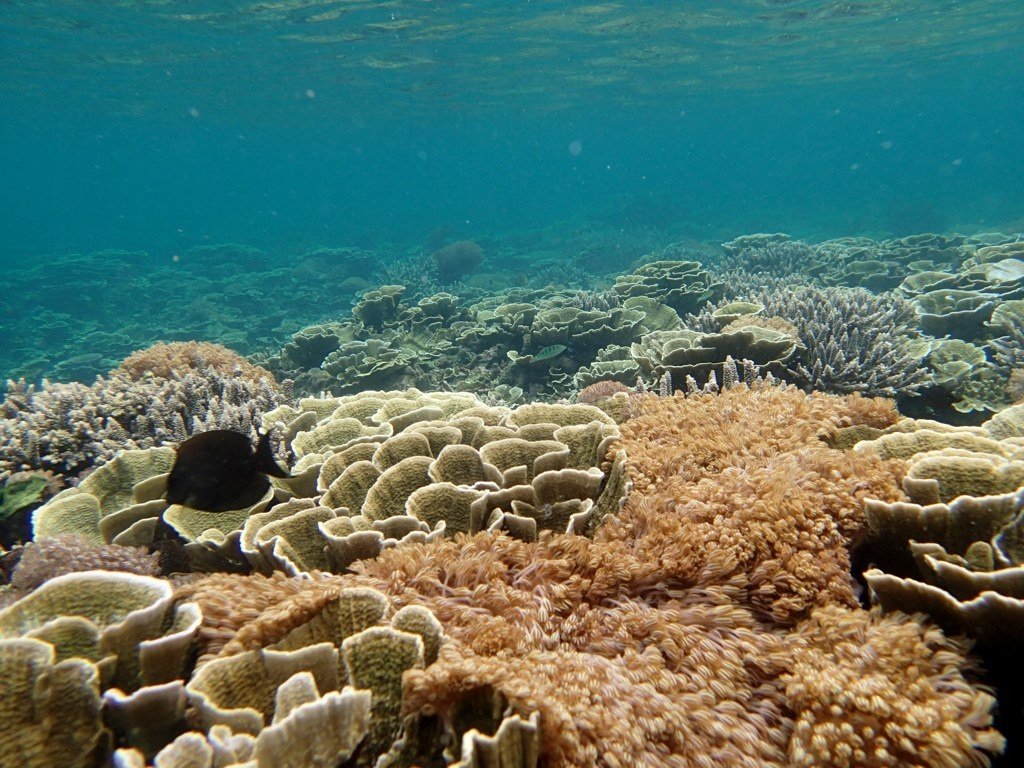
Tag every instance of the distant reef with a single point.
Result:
(754, 505)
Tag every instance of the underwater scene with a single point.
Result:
(397, 383)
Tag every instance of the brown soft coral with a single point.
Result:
(688, 438)
(624, 711)
(847, 688)
(231, 602)
(182, 357)
(739, 488)
(870, 691)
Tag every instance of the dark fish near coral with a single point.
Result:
(219, 470)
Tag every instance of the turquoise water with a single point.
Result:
(157, 127)
(291, 178)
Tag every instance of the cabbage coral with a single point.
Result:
(712, 623)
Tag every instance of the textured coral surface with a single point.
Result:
(712, 623)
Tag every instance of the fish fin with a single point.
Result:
(265, 461)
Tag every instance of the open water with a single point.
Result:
(157, 127)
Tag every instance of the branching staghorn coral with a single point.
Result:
(773, 255)
(855, 341)
(601, 301)
(418, 273)
(68, 428)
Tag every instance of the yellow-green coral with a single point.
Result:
(104, 614)
(50, 709)
(388, 495)
(239, 691)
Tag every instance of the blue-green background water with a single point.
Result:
(287, 126)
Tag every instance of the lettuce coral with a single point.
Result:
(711, 621)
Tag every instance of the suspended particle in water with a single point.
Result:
(575, 147)
(310, 93)
(193, 112)
(887, 144)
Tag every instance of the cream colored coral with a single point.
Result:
(321, 732)
(376, 659)
(239, 691)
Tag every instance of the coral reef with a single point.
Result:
(614, 538)
(500, 343)
(663, 651)
(701, 623)
(766, 285)
(852, 341)
(69, 428)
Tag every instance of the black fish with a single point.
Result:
(218, 470)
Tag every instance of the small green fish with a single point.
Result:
(553, 351)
